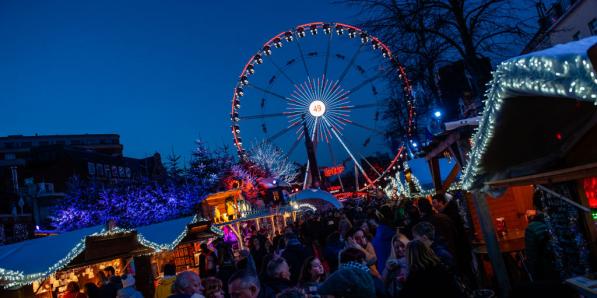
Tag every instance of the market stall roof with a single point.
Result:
(540, 115)
(316, 194)
(42, 256)
(164, 235)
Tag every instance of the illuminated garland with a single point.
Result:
(17, 279)
(547, 73)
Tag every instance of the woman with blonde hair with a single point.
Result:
(424, 266)
(396, 269)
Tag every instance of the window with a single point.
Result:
(75, 142)
(100, 169)
(593, 26)
(10, 156)
(26, 144)
(576, 36)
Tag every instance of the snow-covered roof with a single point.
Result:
(316, 194)
(24, 262)
(38, 258)
(550, 79)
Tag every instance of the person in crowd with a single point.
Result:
(445, 230)
(207, 261)
(212, 288)
(352, 279)
(112, 284)
(164, 288)
(245, 284)
(258, 251)
(73, 291)
(540, 259)
(446, 204)
(227, 266)
(278, 275)
(427, 276)
(425, 232)
(383, 236)
(412, 216)
(312, 275)
(187, 285)
(295, 292)
(128, 288)
(396, 269)
(92, 290)
(295, 254)
(356, 238)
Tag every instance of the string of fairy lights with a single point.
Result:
(548, 73)
(14, 278)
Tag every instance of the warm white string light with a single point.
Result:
(563, 71)
(15, 279)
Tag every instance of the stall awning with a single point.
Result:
(42, 256)
(165, 235)
(538, 108)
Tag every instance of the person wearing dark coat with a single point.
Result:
(382, 241)
(425, 232)
(445, 231)
(110, 289)
(295, 254)
(278, 275)
(427, 276)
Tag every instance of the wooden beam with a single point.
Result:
(441, 147)
(435, 173)
(451, 177)
(569, 174)
(493, 248)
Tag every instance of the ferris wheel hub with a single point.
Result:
(317, 108)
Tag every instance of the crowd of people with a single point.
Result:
(374, 248)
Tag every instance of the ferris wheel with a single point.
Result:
(325, 82)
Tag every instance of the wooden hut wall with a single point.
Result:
(512, 206)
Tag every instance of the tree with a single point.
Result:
(173, 166)
(426, 34)
(272, 161)
(209, 167)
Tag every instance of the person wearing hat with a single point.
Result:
(128, 288)
(352, 279)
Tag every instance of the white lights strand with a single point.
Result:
(563, 71)
(13, 278)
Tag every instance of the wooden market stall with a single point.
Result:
(39, 267)
(538, 132)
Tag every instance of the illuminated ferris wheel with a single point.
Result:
(325, 82)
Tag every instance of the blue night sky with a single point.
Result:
(159, 73)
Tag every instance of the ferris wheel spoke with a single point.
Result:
(371, 166)
(366, 127)
(269, 92)
(280, 70)
(363, 106)
(294, 145)
(351, 63)
(262, 116)
(365, 82)
(300, 49)
(327, 56)
(349, 152)
(281, 132)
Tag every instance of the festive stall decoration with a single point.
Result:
(12, 256)
(563, 71)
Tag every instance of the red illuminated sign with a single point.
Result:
(331, 171)
(590, 186)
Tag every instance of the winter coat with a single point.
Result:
(540, 259)
(382, 242)
(432, 282)
(278, 284)
(164, 288)
(295, 254)
(129, 292)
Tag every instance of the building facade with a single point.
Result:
(562, 22)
